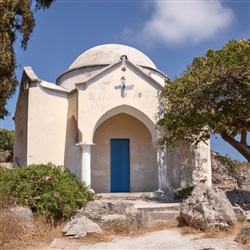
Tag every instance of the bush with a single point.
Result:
(6, 140)
(184, 193)
(47, 189)
(226, 161)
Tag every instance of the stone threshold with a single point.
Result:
(126, 196)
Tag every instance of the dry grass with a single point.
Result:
(214, 233)
(14, 236)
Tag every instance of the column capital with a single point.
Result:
(85, 144)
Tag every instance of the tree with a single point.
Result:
(16, 16)
(6, 140)
(211, 96)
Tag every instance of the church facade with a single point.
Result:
(99, 121)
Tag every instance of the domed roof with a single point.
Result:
(110, 54)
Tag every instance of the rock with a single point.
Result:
(95, 210)
(244, 176)
(247, 215)
(237, 196)
(107, 220)
(25, 217)
(230, 176)
(112, 215)
(244, 236)
(114, 222)
(207, 209)
(81, 226)
(5, 156)
(8, 165)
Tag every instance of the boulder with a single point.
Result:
(207, 209)
(114, 222)
(112, 215)
(25, 217)
(5, 156)
(81, 226)
(244, 236)
(95, 210)
(113, 219)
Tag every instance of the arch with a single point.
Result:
(126, 109)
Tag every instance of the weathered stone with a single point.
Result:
(111, 219)
(244, 236)
(221, 176)
(8, 165)
(5, 156)
(207, 209)
(115, 222)
(95, 210)
(115, 215)
(237, 196)
(247, 215)
(81, 226)
(25, 217)
(227, 178)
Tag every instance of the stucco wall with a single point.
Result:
(186, 165)
(72, 155)
(104, 94)
(21, 117)
(143, 160)
(47, 119)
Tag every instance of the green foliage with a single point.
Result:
(6, 139)
(226, 161)
(16, 17)
(211, 96)
(47, 189)
(184, 193)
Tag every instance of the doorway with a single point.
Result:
(120, 165)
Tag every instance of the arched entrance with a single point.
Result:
(123, 154)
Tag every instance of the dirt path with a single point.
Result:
(164, 239)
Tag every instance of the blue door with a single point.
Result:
(120, 165)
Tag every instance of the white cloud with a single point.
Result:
(178, 22)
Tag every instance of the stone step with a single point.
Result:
(126, 196)
(159, 207)
(167, 212)
(158, 211)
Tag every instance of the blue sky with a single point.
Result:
(170, 33)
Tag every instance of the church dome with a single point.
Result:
(108, 54)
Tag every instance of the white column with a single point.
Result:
(86, 162)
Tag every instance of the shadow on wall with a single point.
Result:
(72, 154)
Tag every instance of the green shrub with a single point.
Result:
(230, 164)
(6, 139)
(47, 189)
(184, 193)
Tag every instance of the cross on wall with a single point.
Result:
(123, 87)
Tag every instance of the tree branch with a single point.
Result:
(244, 149)
(243, 139)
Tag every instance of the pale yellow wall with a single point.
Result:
(100, 96)
(72, 155)
(47, 121)
(20, 142)
(143, 160)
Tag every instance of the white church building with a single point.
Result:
(99, 121)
